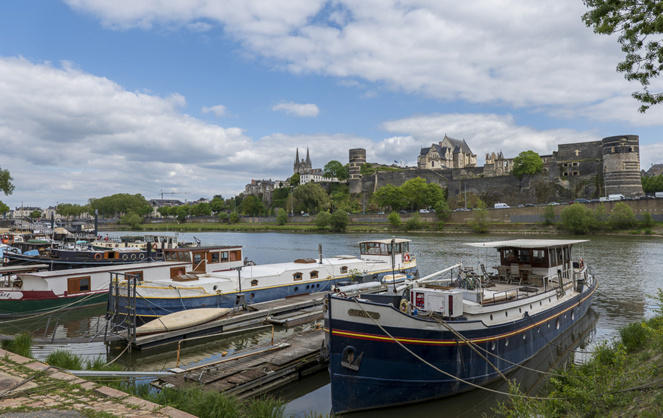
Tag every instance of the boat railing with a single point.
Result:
(430, 278)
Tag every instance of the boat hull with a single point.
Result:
(370, 369)
(25, 303)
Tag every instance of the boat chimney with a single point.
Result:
(320, 252)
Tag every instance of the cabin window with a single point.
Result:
(344, 269)
(314, 274)
(235, 255)
(254, 282)
(214, 257)
(78, 285)
(297, 276)
(197, 257)
(224, 256)
(539, 258)
(177, 271)
(523, 256)
(509, 256)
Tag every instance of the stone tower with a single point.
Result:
(357, 159)
(302, 166)
(621, 165)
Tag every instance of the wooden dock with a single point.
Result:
(254, 372)
(242, 320)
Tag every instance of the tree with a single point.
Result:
(35, 214)
(223, 216)
(165, 211)
(652, 184)
(182, 212)
(549, 216)
(647, 221)
(639, 24)
(390, 196)
(339, 221)
(622, 217)
(323, 219)
(234, 218)
(6, 182)
(394, 219)
(336, 169)
(132, 219)
(3, 208)
(312, 196)
(119, 204)
(578, 219)
(281, 217)
(201, 209)
(217, 204)
(527, 162)
(442, 209)
(294, 180)
(253, 206)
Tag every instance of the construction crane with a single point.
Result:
(171, 193)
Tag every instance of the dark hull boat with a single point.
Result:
(435, 339)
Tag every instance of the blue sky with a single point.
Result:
(199, 97)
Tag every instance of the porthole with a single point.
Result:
(530, 306)
(540, 303)
(557, 323)
(214, 287)
(491, 317)
(296, 289)
(506, 342)
(307, 286)
(492, 346)
(573, 315)
(548, 324)
(549, 300)
(524, 336)
(252, 295)
(506, 313)
(520, 310)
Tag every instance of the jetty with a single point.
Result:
(254, 372)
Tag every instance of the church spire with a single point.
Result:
(308, 159)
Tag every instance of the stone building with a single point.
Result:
(302, 166)
(448, 153)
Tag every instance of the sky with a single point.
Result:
(195, 98)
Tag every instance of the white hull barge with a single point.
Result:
(204, 287)
(453, 337)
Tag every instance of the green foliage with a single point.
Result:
(119, 204)
(394, 219)
(6, 184)
(622, 217)
(549, 216)
(339, 221)
(633, 336)
(652, 184)
(35, 214)
(132, 219)
(368, 169)
(68, 209)
(312, 196)
(252, 206)
(527, 162)
(21, 344)
(281, 217)
(234, 218)
(639, 26)
(601, 217)
(414, 222)
(65, 360)
(99, 364)
(181, 212)
(414, 193)
(323, 219)
(217, 204)
(3, 208)
(442, 209)
(165, 211)
(294, 180)
(390, 196)
(578, 218)
(223, 216)
(336, 169)
(201, 209)
(646, 221)
(479, 223)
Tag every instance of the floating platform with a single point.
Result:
(254, 372)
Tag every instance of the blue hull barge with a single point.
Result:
(435, 338)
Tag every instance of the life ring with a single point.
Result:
(154, 246)
(403, 305)
(124, 256)
(406, 257)
(141, 256)
(133, 256)
(581, 263)
(97, 256)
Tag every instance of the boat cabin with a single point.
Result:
(382, 250)
(532, 260)
(207, 259)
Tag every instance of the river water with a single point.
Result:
(629, 269)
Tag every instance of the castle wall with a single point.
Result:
(357, 159)
(621, 165)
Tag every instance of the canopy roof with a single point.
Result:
(527, 243)
(386, 241)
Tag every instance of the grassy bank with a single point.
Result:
(623, 378)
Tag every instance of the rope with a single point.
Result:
(120, 355)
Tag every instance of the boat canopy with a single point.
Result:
(527, 243)
(383, 246)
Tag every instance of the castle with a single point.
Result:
(587, 169)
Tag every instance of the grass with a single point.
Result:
(622, 378)
(21, 345)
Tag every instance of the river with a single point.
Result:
(629, 269)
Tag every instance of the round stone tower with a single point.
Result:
(621, 165)
(357, 159)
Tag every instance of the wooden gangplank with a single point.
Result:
(254, 372)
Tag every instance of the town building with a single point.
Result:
(448, 153)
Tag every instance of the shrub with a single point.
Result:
(281, 217)
(622, 216)
(415, 222)
(578, 218)
(647, 221)
(323, 219)
(223, 216)
(479, 223)
(442, 210)
(234, 218)
(339, 221)
(65, 360)
(633, 336)
(394, 219)
(549, 216)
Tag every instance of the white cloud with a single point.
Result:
(302, 110)
(514, 52)
(218, 110)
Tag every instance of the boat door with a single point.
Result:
(199, 261)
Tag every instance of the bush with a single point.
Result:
(578, 218)
(132, 219)
(646, 221)
(65, 360)
(622, 216)
(442, 210)
(479, 223)
(223, 217)
(415, 222)
(281, 217)
(549, 216)
(19, 345)
(234, 218)
(339, 221)
(394, 219)
(323, 219)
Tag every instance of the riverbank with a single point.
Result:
(623, 378)
(27, 385)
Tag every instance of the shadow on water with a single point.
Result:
(313, 394)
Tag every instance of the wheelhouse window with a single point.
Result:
(344, 269)
(523, 256)
(224, 256)
(254, 282)
(509, 256)
(214, 257)
(132, 274)
(78, 285)
(539, 258)
(314, 274)
(297, 276)
(235, 255)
